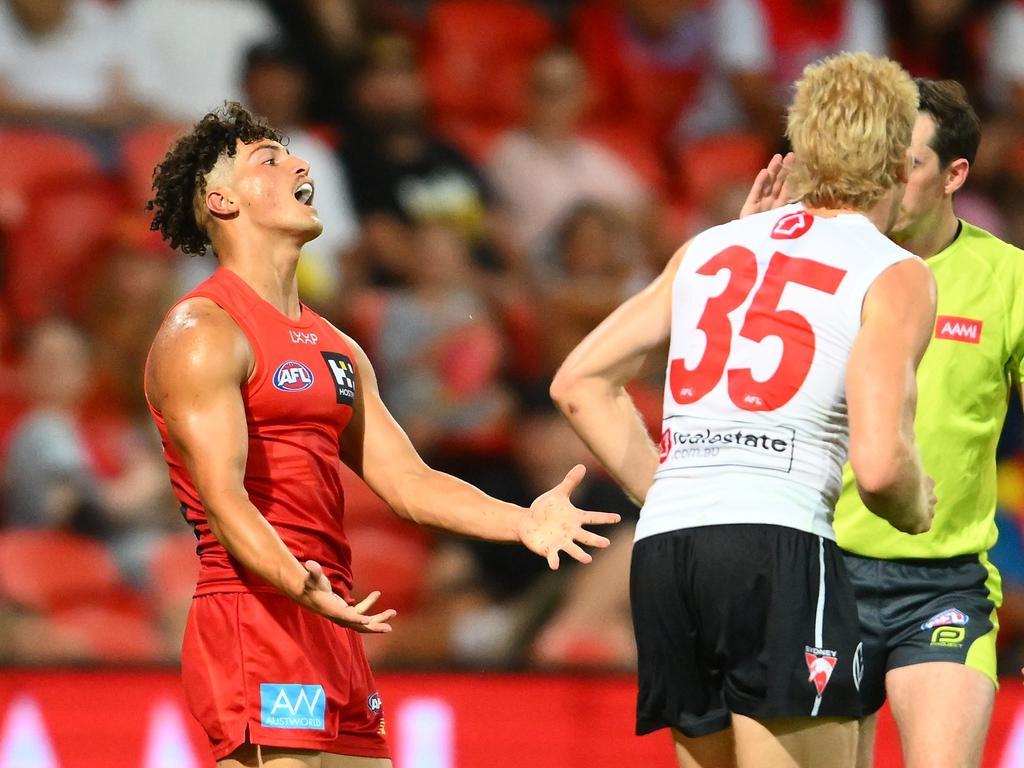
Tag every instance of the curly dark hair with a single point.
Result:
(181, 175)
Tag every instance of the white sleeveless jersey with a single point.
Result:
(764, 313)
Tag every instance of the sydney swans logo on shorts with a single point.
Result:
(284, 705)
(820, 664)
(293, 376)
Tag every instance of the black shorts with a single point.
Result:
(918, 611)
(742, 618)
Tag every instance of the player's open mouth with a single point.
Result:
(304, 193)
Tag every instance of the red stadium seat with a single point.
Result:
(390, 561)
(40, 159)
(141, 151)
(66, 229)
(47, 570)
(174, 567)
(108, 635)
(650, 92)
(706, 166)
(523, 329)
(470, 360)
(365, 318)
(12, 407)
(477, 56)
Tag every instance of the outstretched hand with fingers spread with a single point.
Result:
(553, 524)
(769, 190)
(321, 598)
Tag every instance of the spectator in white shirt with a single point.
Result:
(62, 61)
(187, 55)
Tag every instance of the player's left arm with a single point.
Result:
(377, 448)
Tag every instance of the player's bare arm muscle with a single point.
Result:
(590, 390)
(377, 448)
(198, 363)
(881, 390)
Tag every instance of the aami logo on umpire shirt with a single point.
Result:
(958, 329)
(344, 375)
(285, 705)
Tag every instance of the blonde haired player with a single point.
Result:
(794, 338)
(928, 603)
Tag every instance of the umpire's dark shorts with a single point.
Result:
(919, 611)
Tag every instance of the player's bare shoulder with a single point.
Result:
(910, 277)
(197, 339)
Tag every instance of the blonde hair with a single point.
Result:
(850, 125)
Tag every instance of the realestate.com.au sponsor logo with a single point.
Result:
(687, 443)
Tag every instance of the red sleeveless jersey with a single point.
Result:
(297, 403)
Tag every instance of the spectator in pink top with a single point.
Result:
(545, 168)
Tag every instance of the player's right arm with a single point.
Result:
(590, 386)
(897, 320)
(198, 363)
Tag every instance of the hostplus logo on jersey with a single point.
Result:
(293, 376)
(344, 375)
(284, 705)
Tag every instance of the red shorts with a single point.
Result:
(260, 668)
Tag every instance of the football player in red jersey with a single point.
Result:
(258, 400)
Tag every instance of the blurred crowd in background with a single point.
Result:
(494, 177)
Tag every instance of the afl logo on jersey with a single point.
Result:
(293, 376)
(792, 225)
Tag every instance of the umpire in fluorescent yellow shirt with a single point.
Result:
(928, 603)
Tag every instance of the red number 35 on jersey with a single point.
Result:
(763, 318)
